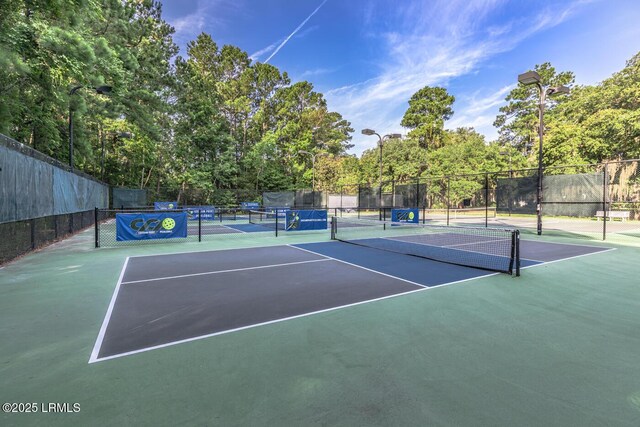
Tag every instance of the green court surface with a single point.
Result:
(558, 346)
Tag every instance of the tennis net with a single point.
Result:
(490, 249)
(274, 219)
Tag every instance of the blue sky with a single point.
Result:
(369, 56)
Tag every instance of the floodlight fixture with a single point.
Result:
(530, 77)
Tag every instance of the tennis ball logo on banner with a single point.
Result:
(171, 206)
(293, 222)
(411, 216)
(152, 225)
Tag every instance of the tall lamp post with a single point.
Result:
(381, 140)
(530, 78)
(100, 90)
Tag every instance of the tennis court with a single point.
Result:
(163, 300)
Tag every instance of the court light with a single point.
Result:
(531, 78)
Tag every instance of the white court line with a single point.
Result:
(231, 228)
(107, 317)
(224, 271)
(561, 243)
(359, 266)
(202, 252)
(563, 259)
(395, 277)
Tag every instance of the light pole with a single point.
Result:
(529, 78)
(381, 141)
(100, 90)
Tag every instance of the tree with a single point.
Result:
(517, 122)
(428, 109)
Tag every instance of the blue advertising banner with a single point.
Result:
(306, 220)
(249, 205)
(208, 213)
(164, 206)
(143, 226)
(405, 215)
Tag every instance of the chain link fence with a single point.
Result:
(590, 201)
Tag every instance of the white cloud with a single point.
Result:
(439, 41)
(479, 111)
(316, 72)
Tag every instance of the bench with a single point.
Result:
(623, 215)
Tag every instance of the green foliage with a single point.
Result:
(428, 109)
(214, 121)
(517, 122)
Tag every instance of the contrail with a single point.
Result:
(294, 32)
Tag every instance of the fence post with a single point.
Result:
(97, 231)
(448, 197)
(604, 201)
(358, 208)
(32, 224)
(486, 200)
(393, 193)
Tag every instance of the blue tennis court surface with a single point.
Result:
(164, 300)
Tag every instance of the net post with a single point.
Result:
(97, 232)
(334, 226)
(604, 201)
(515, 253)
(277, 215)
(199, 225)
